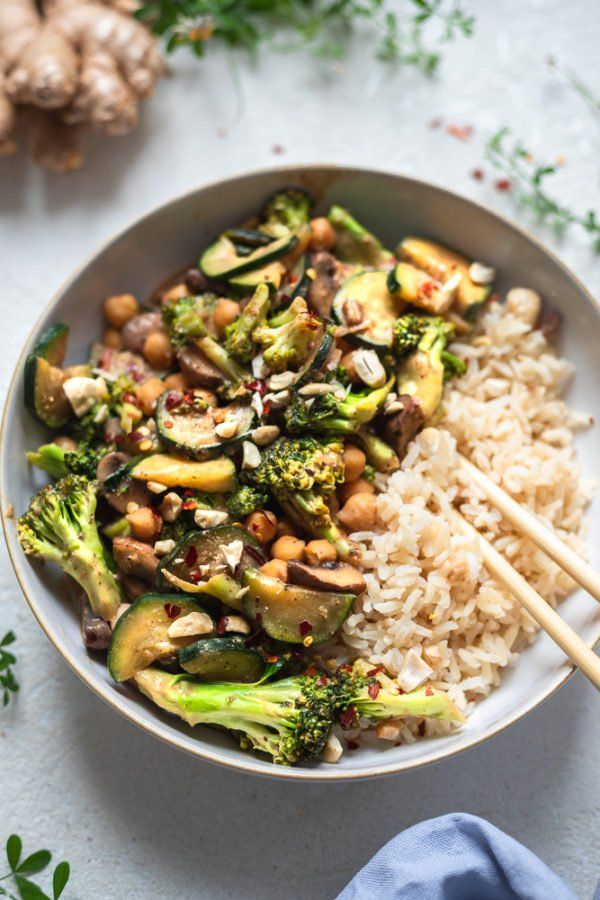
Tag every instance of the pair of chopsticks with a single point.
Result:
(580, 571)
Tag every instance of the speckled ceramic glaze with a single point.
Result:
(164, 241)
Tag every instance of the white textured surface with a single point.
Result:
(136, 819)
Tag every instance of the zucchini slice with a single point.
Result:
(292, 613)
(355, 244)
(186, 423)
(43, 392)
(271, 275)
(222, 659)
(214, 476)
(441, 263)
(198, 557)
(52, 344)
(222, 260)
(315, 362)
(381, 308)
(140, 636)
(419, 289)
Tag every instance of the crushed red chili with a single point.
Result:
(375, 671)
(172, 610)
(222, 625)
(189, 504)
(305, 628)
(373, 690)
(478, 174)
(349, 718)
(256, 385)
(428, 691)
(173, 400)
(503, 184)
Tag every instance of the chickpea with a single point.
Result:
(262, 523)
(112, 338)
(318, 552)
(323, 235)
(288, 547)
(359, 513)
(350, 488)
(347, 362)
(284, 526)
(275, 568)
(148, 393)
(158, 350)
(175, 293)
(354, 462)
(145, 523)
(176, 382)
(66, 443)
(119, 309)
(224, 313)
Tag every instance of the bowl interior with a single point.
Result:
(170, 238)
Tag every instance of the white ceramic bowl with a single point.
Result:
(171, 237)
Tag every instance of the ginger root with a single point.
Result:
(72, 63)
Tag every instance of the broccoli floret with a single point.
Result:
(453, 366)
(239, 341)
(58, 462)
(286, 337)
(245, 500)
(59, 526)
(286, 211)
(408, 331)
(421, 374)
(186, 318)
(291, 719)
(301, 473)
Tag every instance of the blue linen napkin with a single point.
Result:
(455, 857)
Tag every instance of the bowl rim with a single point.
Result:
(114, 699)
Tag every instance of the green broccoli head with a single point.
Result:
(239, 341)
(287, 337)
(286, 211)
(245, 500)
(408, 331)
(185, 319)
(422, 372)
(59, 462)
(300, 464)
(60, 527)
(336, 412)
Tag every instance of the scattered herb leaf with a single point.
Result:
(319, 26)
(584, 90)
(527, 182)
(31, 865)
(8, 682)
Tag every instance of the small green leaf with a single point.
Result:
(28, 890)
(59, 881)
(37, 862)
(14, 845)
(8, 638)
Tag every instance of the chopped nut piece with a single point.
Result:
(414, 671)
(192, 624)
(237, 624)
(232, 553)
(171, 506)
(155, 487)
(228, 428)
(369, 368)
(161, 548)
(208, 518)
(265, 435)
(250, 455)
(525, 304)
(131, 507)
(280, 399)
(315, 388)
(395, 407)
(259, 367)
(353, 312)
(332, 750)
(257, 404)
(280, 381)
(481, 274)
(387, 731)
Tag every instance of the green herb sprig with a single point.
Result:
(528, 186)
(322, 27)
(22, 869)
(8, 683)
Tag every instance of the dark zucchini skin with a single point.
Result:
(292, 613)
(315, 362)
(189, 428)
(221, 259)
(201, 548)
(371, 289)
(140, 636)
(52, 344)
(222, 659)
(42, 381)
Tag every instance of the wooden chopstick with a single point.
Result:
(529, 525)
(546, 617)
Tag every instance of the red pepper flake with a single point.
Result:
(128, 397)
(191, 556)
(345, 668)
(267, 407)
(460, 132)
(222, 624)
(478, 174)
(349, 718)
(428, 691)
(173, 399)
(372, 672)
(272, 659)
(322, 680)
(256, 385)
(189, 504)
(503, 184)
(311, 671)
(168, 423)
(189, 396)
(278, 149)
(374, 689)
(118, 438)
(136, 436)
(305, 628)
(172, 610)
(427, 288)
(436, 123)
(195, 576)
(292, 279)
(352, 745)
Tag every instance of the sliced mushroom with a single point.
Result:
(96, 633)
(135, 558)
(138, 328)
(129, 492)
(328, 577)
(325, 284)
(399, 429)
(132, 587)
(198, 370)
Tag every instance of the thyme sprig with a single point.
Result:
(20, 869)
(8, 683)
(528, 186)
(322, 27)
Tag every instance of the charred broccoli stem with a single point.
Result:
(287, 337)
(59, 526)
(239, 341)
(58, 462)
